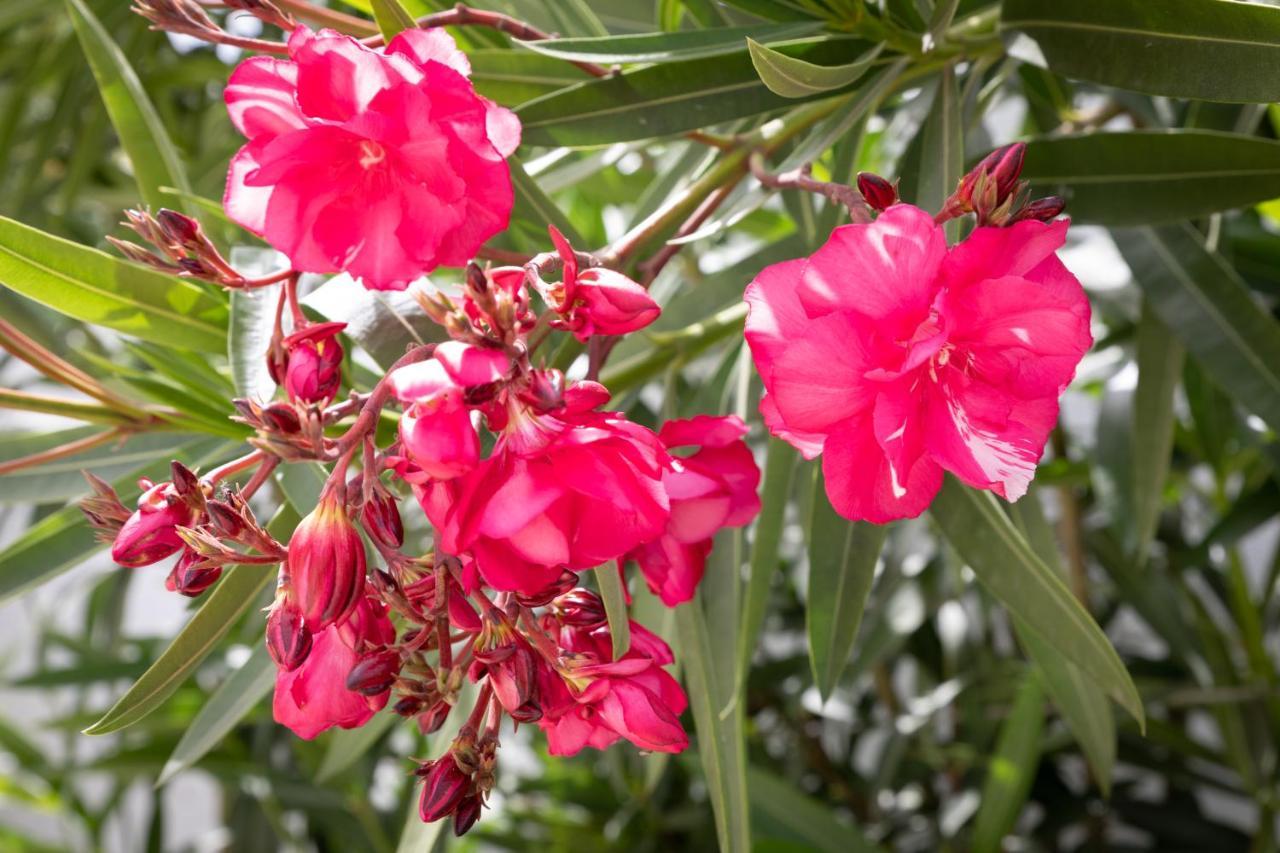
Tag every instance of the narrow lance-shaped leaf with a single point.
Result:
(1160, 359)
(842, 564)
(942, 149)
(775, 491)
(1007, 566)
(780, 809)
(669, 47)
(1152, 176)
(347, 746)
(1207, 49)
(1211, 311)
(790, 77)
(95, 287)
(154, 159)
(615, 607)
(392, 18)
(1012, 768)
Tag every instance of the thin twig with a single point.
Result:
(800, 179)
(62, 451)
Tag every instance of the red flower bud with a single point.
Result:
(580, 608)
(374, 674)
(314, 370)
(226, 519)
(876, 191)
(192, 575)
(381, 518)
(989, 188)
(179, 228)
(466, 815)
(430, 720)
(325, 569)
(151, 533)
(282, 417)
(288, 639)
(443, 789)
(1042, 209)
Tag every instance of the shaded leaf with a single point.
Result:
(795, 78)
(668, 47)
(614, 596)
(1011, 769)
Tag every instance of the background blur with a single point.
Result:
(938, 734)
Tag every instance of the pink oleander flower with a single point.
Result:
(712, 488)
(314, 697)
(571, 489)
(436, 432)
(313, 370)
(150, 534)
(597, 301)
(383, 164)
(897, 358)
(324, 574)
(599, 700)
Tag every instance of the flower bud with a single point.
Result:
(325, 569)
(288, 639)
(610, 304)
(226, 519)
(151, 532)
(192, 575)
(374, 674)
(433, 718)
(443, 789)
(282, 417)
(567, 581)
(877, 192)
(1042, 209)
(314, 369)
(580, 608)
(180, 229)
(466, 815)
(381, 518)
(989, 188)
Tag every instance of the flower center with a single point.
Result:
(371, 154)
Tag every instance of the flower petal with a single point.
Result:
(861, 483)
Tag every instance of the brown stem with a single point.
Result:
(799, 179)
(71, 448)
(372, 408)
(235, 466)
(58, 369)
(265, 281)
(669, 250)
(291, 294)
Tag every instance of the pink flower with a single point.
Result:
(598, 301)
(436, 430)
(150, 534)
(898, 358)
(713, 488)
(586, 492)
(313, 371)
(324, 572)
(381, 164)
(314, 697)
(599, 701)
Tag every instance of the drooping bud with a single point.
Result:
(1042, 209)
(443, 789)
(432, 719)
(466, 815)
(381, 518)
(288, 639)
(580, 608)
(877, 192)
(314, 369)
(192, 575)
(151, 533)
(375, 673)
(325, 569)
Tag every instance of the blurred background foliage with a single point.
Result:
(941, 723)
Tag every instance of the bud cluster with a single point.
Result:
(183, 247)
(994, 192)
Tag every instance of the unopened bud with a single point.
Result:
(443, 789)
(288, 639)
(326, 564)
(466, 815)
(374, 674)
(282, 418)
(381, 518)
(877, 192)
(580, 608)
(314, 371)
(567, 581)
(192, 575)
(433, 718)
(1042, 209)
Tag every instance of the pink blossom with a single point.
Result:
(384, 164)
(314, 696)
(712, 488)
(897, 357)
(586, 491)
(598, 301)
(313, 371)
(436, 430)
(599, 701)
(150, 534)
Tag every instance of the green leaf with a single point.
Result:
(942, 149)
(1160, 359)
(1207, 49)
(347, 746)
(1008, 567)
(223, 710)
(615, 607)
(659, 100)
(154, 159)
(534, 205)
(61, 479)
(779, 809)
(231, 598)
(1205, 304)
(513, 77)
(392, 18)
(775, 491)
(1151, 176)
(419, 837)
(668, 47)
(1011, 769)
(253, 314)
(1082, 703)
(62, 540)
(790, 77)
(97, 288)
(842, 564)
